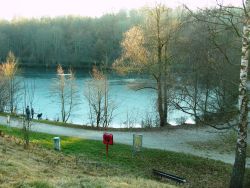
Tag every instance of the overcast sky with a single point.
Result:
(94, 8)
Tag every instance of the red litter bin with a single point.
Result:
(108, 140)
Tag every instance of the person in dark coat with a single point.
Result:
(32, 113)
(27, 112)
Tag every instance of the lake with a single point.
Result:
(132, 106)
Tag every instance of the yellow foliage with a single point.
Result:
(60, 70)
(97, 75)
(9, 68)
(134, 56)
(146, 48)
(133, 46)
(60, 83)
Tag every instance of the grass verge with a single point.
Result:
(122, 169)
(62, 124)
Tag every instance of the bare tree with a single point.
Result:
(28, 99)
(207, 86)
(147, 50)
(97, 94)
(224, 18)
(65, 91)
(9, 70)
(241, 146)
(3, 91)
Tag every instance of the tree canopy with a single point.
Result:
(77, 41)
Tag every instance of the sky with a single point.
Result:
(10, 9)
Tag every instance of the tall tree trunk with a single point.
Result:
(160, 102)
(105, 104)
(165, 86)
(206, 104)
(160, 88)
(160, 78)
(195, 96)
(240, 153)
(165, 98)
(98, 115)
(63, 107)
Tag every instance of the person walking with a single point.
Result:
(32, 113)
(27, 113)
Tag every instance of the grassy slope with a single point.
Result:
(83, 162)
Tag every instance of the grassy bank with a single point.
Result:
(71, 125)
(88, 158)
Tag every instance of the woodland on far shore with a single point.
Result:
(84, 41)
(69, 40)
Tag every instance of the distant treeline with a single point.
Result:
(76, 41)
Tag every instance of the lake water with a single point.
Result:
(132, 106)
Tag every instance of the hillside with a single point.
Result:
(39, 167)
(83, 163)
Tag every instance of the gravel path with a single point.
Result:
(172, 140)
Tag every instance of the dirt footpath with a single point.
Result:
(172, 140)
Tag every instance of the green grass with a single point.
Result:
(35, 184)
(63, 124)
(198, 171)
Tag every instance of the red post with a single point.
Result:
(107, 150)
(107, 139)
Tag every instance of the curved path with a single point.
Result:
(172, 140)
